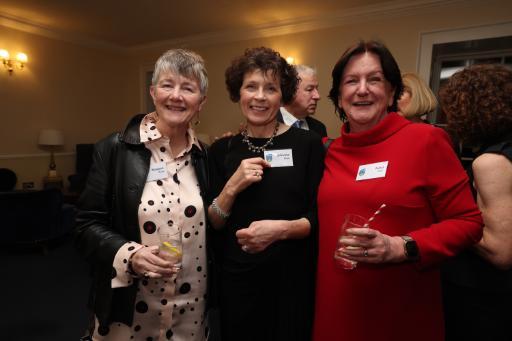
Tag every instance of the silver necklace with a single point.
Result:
(256, 149)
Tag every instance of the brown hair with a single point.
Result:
(389, 67)
(478, 104)
(264, 59)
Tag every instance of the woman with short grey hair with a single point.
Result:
(145, 182)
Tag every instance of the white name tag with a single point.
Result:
(157, 171)
(372, 171)
(279, 157)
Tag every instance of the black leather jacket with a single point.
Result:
(108, 215)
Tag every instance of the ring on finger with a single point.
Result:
(245, 248)
(256, 173)
(365, 252)
(146, 274)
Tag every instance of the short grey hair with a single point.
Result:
(301, 68)
(184, 63)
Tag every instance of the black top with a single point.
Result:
(470, 270)
(284, 193)
(269, 295)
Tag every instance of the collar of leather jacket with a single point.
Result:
(131, 133)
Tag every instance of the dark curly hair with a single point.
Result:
(264, 59)
(478, 104)
(389, 67)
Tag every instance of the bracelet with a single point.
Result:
(130, 270)
(219, 211)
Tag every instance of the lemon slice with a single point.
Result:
(171, 249)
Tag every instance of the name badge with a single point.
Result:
(157, 171)
(372, 171)
(279, 157)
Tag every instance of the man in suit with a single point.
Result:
(298, 113)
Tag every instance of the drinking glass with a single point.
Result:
(170, 243)
(350, 221)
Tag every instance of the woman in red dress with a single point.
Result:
(394, 293)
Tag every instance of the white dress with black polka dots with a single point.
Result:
(166, 309)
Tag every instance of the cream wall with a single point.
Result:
(322, 48)
(89, 92)
(85, 92)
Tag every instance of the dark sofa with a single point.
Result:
(32, 218)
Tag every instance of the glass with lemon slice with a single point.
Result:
(170, 242)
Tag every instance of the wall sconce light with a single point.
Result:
(10, 64)
(290, 60)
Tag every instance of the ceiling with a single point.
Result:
(132, 23)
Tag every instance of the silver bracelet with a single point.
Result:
(219, 211)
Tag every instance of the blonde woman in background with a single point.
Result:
(417, 99)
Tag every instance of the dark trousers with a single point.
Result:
(473, 314)
(266, 304)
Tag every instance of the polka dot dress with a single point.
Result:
(168, 308)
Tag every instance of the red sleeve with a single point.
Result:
(458, 219)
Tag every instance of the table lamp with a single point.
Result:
(51, 138)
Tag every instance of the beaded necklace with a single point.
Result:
(256, 149)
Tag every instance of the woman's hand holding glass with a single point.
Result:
(150, 262)
(367, 245)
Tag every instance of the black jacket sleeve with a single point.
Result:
(315, 169)
(94, 236)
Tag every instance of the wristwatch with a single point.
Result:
(411, 248)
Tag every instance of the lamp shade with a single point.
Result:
(51, 137)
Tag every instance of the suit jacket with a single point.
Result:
(313, 124)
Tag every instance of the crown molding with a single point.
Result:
(335, 19)
(28, 26)
(339, 18)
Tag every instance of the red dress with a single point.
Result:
(427, 196)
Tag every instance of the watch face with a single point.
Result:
(412, 249)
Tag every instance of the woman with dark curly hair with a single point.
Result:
(265, 182)
(478, 283)
(381, 279)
